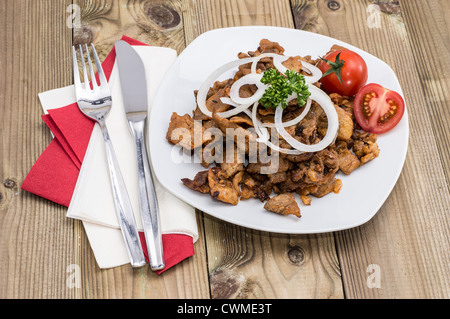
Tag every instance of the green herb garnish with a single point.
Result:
(280, 87)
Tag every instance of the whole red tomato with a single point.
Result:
(344, 72)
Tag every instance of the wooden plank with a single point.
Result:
(36, 240)
(428, 27)
(406, 243)
(158, 24)
(155, 23)
(244, 263)
(250, 264)
(408, 238)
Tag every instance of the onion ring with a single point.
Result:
(242, 104)
(276, 61)
(315, 71)
(333, 123)
(238, 108)
(279, 59)
(263, 134)
(295, 120)
(251, 78)
(209, 82)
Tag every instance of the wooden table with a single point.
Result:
(403, 252)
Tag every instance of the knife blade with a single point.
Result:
(134, 91)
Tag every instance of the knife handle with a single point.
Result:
(124, 209)
(148, 199)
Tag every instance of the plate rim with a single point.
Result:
(356, 223)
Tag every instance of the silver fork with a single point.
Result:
(96, 104)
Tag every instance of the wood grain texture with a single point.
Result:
(407, 242)
(408, 238)
(187, 280)
(244, 263)
(247, 264)
(36, 240)
(153, 22)
(428, 27)
(157, 23)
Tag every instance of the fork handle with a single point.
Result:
(123, 204)
(148, 199)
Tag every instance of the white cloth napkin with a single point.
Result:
(92, 201)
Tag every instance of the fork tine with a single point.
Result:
(83, 64)
(91, 69)
(101, 74)
(76, 72)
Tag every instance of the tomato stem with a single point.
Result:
(335, 67)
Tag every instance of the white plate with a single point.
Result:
(363, 192)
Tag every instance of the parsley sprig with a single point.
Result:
(280, 87)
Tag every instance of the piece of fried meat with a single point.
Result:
(284, 204)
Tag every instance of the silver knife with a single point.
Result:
(134, 91)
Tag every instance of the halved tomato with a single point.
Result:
(378, 109)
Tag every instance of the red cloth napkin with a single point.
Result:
(55, 173)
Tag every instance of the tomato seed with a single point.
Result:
(365, 107)
(390, 113)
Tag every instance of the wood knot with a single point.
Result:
(333, 5)
(392, 7)
(296, 255)
(9, 183)
(83, 35)
(226, 284)
(163, 15)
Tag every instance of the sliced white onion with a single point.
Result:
(251, 78)
(288, 151)
(315, 71)
(333, 123)
(209, 82)
(278, 64)
(227, 100)
(295, 120)
(263, 134)
(277, 60)
(240, 104)
(238, 108)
